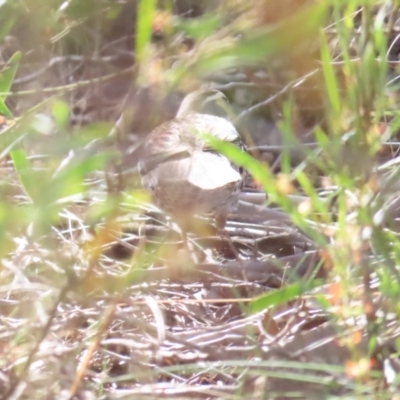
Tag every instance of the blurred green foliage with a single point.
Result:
(342, 47)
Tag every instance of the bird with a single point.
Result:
(182, 172)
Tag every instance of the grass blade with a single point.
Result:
(146, 10)
(7, 75)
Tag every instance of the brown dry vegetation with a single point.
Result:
(98, 296)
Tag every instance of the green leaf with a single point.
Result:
(61, 113)
(330, 77)
(260, 171)
(283, 295)
(69, 180)
(144, 29)
(7, 75)
(6, 25)
(25, 173)
(200, 27)
(4, 110)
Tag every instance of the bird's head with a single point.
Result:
(204, 101)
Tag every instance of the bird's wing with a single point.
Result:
(179, 138)
(163, 143)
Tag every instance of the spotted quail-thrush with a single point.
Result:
(182, 172)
